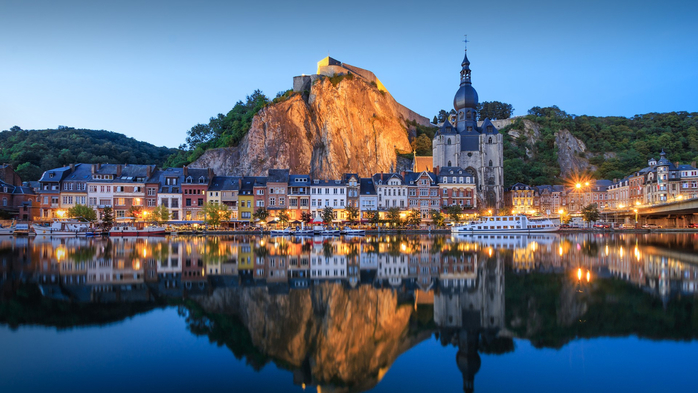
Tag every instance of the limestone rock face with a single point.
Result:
(350, 127)
(352, 336)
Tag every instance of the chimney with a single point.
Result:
(72, 167)
(186, 171)
(94, 168)
(210, 173)
(677, 164)
(403, 174)
(148, 172)
(118, 170)
(693, 164)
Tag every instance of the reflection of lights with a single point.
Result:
(403, 247)
(621, 251)
(588, 275)
(145, 253)
(489, 251)
(60, 253)
(136, 265)
(579, 273)
(606, 249)
(560, 250)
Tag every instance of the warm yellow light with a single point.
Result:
(560, 250)
(490, 252)
(621, 252)
(561, 211)
(680, 197)
(60, 213)
(586, 184)
(579, 273)
(635, 210)
(578, 185)
(145, 253)
(403, 247)
(489, 212)
(621, 206)
(136, 265)
(637, 203)
(60, 254)
(588, 276)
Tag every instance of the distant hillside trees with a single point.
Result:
(31, 152)
(630, 142)
(494, 110)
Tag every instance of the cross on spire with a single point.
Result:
(466, 41)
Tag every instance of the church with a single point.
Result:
(461, 143)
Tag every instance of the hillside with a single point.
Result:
(31, 152)
(548, 146)
(341, 124)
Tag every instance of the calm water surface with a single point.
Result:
(409, 313)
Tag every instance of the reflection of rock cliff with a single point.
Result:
(326, 130)
(346, 337)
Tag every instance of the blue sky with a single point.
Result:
(153, 69)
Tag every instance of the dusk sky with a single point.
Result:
(153, 69)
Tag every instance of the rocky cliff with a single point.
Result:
(349, 126)
(347, 337)
(572, 154)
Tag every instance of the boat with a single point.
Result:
(506, 225)
(7, 230)
(280, 232)
(304, 231)
(330, 232)
(62, 228)
(353, 232)
(130, 230)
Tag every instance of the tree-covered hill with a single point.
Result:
(33, 151)
(615, 146)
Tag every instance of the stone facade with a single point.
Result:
(475, 147)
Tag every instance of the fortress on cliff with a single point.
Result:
(328, 67)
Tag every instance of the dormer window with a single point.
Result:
(189, 179)
(489, 129)
(51, 174)
(201, 180)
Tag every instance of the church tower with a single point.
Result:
(477, 149)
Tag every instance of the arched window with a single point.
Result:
(449, 163)
(490, 140)
(449, 141)
(490, 162)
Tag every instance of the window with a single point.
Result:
(120, 201)
(151, 191)
(187, 202)
(201, 201)
(272, 200)
(121, 213)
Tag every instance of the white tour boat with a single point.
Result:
(130, 230)
(63, 228)
(506, 224)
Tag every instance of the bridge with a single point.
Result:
(676, 214)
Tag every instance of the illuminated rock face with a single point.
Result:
(350, 127)
(348, 336)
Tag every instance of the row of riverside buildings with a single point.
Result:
(185, 191)
(660, 182)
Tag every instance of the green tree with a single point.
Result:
(494, 110)
(108, 216)
(327, 215)
(372, 216)
(161, 214)
(414, 217)
(454, 213)
(261, 214)
(590, 213)
(393, 216)
(422, 145)
(306, 217)
(352, 214)
(565, 218)
(214, 213)
(82, 213)
(283, 217)
(437, 217)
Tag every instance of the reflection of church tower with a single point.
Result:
(469, 310)
(478, 150)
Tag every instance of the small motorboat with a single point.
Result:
(353, 232)
(280, 232)
(7, 230)
(63, 228)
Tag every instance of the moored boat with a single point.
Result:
(130, 230)
(7, 230)
(353, 232)
(280, 232)
(506, 224)
(62, 228)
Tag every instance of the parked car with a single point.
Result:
(627, 226)
(651, 226)
(693, 225)
(602, 225)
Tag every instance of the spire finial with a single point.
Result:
(466, 41)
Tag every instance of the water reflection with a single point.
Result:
(338, 312)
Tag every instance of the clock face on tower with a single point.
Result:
(452, 118)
